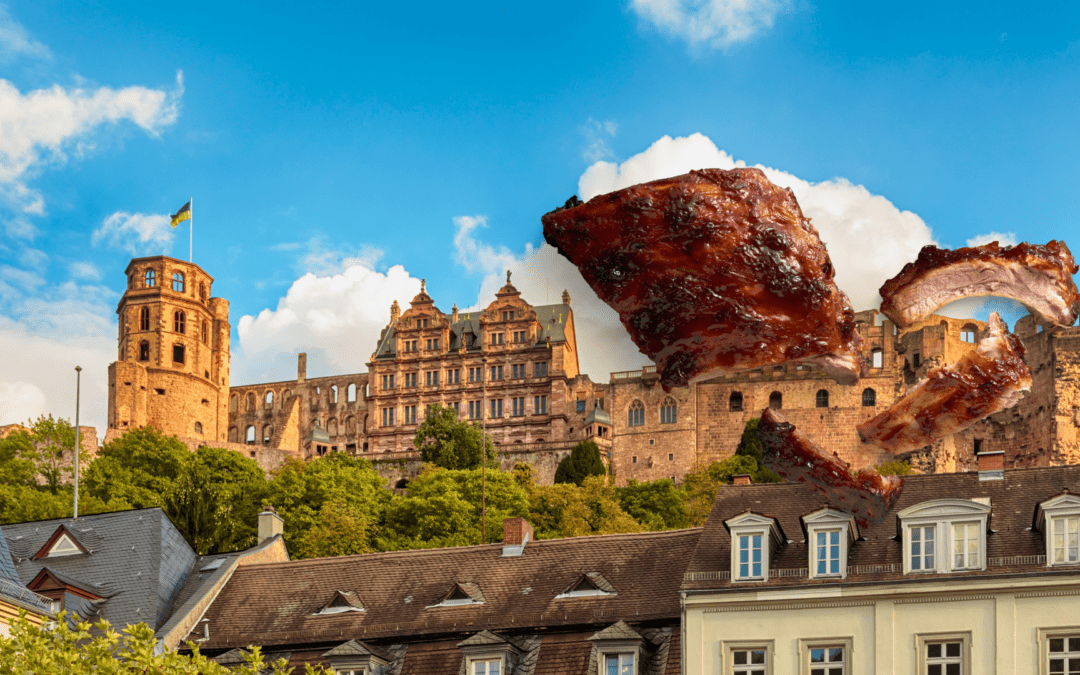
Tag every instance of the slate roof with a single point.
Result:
(1013, 546)
(12, 588)
(275, 604)
(138, 561)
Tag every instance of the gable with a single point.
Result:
(61, 543)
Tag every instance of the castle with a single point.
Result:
(513, 367)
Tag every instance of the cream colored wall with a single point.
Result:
(1002, 618)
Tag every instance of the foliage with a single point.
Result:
(565, 510)
(896, 467)
(442, 508)
(15, 466)
(137, 469)
(750, 442)
(452, 443)
(341, 529)
(61, 648)
(658, 505)
(699, 489)
(584, 461)
(43, 448)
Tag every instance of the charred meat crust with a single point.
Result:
(1053, 260)
(984, 381)
(711, 271)
(867, 496)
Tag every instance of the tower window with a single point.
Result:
(178, 353)
(178, 282)
(144, 318)
(869, 397)
(178, 322)
(198, 427)
(202, 292)
(822, 398)
(144, 351)
(735, 402)
(635, 416)
(148, 279)
(668, 411)
(205, 334)
(776, 400)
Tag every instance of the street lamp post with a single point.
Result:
(483, 453)
(78, 441)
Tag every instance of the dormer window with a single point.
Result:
(460, 595)
(619, 649)
(63, 546)
(342, 601)
(944, 535)
(829, 535)
(591, 584)
(357, 658)
(1058, 519)
(488, 653)
(61, 543)
(754, 539)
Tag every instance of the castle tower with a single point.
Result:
(172, 370)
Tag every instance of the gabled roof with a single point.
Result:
(620, 630)
(355, 648)
(461, 591)
(593, 581)
(62, 541)
(12, 588)
(49, 581)
(342, 600)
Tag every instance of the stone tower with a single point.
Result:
(172, 371)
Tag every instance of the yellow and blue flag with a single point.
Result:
(183, 214)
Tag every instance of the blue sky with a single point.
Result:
(339, 153)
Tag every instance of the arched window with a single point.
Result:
(350, 393)
(234, 403)
(317, 424)
(331, 427)
(233, 434)
(876, 358)
(178, 282)
(286, 395)
(668, 411)
(179, 319)
(205, 334)
(268, 400)
(822, 398)
(869, 397)
(635, 416)
(198, 428)
(735, 401)
(249, 435)
(333, 393)
(144, 351)
(251, 401)
(776, 400)
(144, 318)
(967, 333)
(268, 433)
(202, 292)
(148, 279)
(350, 425)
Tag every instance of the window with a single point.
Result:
(965, 543)
(387, 382)
(487, 666)
(476, 374)
(1058, 518)
(822, 398)
(388, 417)
(921, 548)
(635, 416)
(333, 393)
(453, 376)
(496, 372)
(915, 361)
(457, 408)
(496, 408)
(633, 460)
(750, 559)
(518, 406)
(475, 410)
(580, 405)
(202, 292)
(671, 457)
(178, 353)
(869, 398)
(144, 318)
(876, 358)
(350, 393)
(148, 279)
(776, 400)
(945, 535)
(668, 411)
(748, 660)
(506, 316)
(1061, 653)
(179, 319)
(539, 370)
(178, 282)
(144, 351)
(251, 401)
(943, 655)
(753, 538)
(825, 657)
(268, 434)
(497, 338)
(735, 402)
(431, 378)
(967, 333)
(827, 553)
(205, 334)
(410, 379)
(540, 405)
(410, 414)
(830, 533)
(519, 336)
(433, 344)
(517, 371)
(249, 435)
(198, 427)
(268, 400)
(619, 664)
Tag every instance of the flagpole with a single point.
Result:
(191, 228)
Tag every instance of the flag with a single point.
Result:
(183, 214)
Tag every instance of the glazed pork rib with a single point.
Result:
(796, 457)
(984, 381)
(1040, 277)
(712, 272)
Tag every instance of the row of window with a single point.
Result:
(821, 399)
(517, 371)
(178, 282)
(179, 323)
(475, 409)
(268, 398)
(635, 414)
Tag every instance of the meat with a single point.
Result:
(867, 496)
(712, 272)
(991, 378)
(1040, 277)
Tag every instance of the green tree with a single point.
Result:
(442, 507)
(699, 489)
(658, 505)
(49, 439)
(750, 442)
(584, 461)
(137, 469)
(341, 529)
(896, 467)
(73, 650)
(566, 510)
(15, 466)
(449, 442)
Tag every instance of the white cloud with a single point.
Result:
(84, 270)
(335, 319)
(20, 402)
(869, 239)
(45, 125)
(710, 23)
(137, 233)
(476, 256)
(15, 41)
(323, 260)
(596, 137)
(1003, 238)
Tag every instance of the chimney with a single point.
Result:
(516, 533)
(742, 479)
(395, 312)
(301, 367)
(454, 315)
(991, 465)
(270, 524)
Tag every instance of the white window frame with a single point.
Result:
(751, 524)
(827, 520)
(471, 661)
(925, 639)
(729, 647)
(1059, 509)
(1045, 635)
(846, 643)
(941, 515)
(602, 654)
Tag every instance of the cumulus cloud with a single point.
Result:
(336, 319)
(869, 238)
(1003, 238)
(324, 260)
(15, 41)
(44, 126)
(137, 233)
(710, 23)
